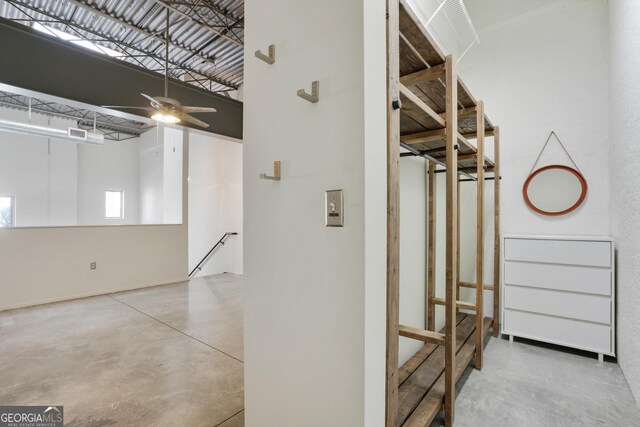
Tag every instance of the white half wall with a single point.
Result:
(314, 296)
(215, 202)
(41, 265)
(624, 162)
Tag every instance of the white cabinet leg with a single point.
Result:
(600, 358)
(510, 339)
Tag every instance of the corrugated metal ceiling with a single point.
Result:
(112, 127)
(206, 36)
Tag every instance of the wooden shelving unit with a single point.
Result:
(432, 114)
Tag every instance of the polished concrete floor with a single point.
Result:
(172, 356)
(536, 385)
(163, 356)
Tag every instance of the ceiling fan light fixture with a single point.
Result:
(163, 117)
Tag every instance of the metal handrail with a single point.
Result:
(220, 242)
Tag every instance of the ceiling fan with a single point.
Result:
(165, 109)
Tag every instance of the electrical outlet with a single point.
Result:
(93, 265)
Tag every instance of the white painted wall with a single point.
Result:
(625, 200)
(215, 202)
(41, 173)
(413, 250)
(150, 178)
(60, 183)
(41, 265)
(540, 66)
(544, 70)
(112, 166)
(171, 174)
(314, 296)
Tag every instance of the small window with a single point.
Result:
(114, 206)
(7, 211)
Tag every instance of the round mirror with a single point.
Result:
(555, 190)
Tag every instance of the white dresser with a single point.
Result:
(560, 290)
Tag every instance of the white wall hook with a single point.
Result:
(276, 172)
(269, 59)
(315, 93)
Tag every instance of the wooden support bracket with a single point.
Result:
(433, 73)
(421, 335)
(460, 304)
(463, 112)
(486, 287)
(422, 137)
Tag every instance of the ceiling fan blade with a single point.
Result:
(199, 109)
(127, 106)
(193, 120)
(150, 98)
(154, 102)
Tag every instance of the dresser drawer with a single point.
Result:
(592, 308)
(590, 280)
(574, 252)
(571, 333)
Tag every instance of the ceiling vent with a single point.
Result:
(77, 134)
(71, 134)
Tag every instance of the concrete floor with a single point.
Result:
(537, 385)
(163, 356)
(172, 356)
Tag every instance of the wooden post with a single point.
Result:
(452, 231)
(393, 205)
(480, 234)
(496, 233)
(431, 255)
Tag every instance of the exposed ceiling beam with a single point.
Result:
(123, 47)
(172, 6)
(105, 14)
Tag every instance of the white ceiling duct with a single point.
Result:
(70, 134)
(448, 23)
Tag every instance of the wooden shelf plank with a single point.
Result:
(426, 411)
(460, 304)
(474, 135)
(465, 146)
(427, 373)
(421, 335)
(421, 355)
(424, 137)
(420, 62)
(413, 30)
(416, 109)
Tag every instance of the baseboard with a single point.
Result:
(90, 294)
